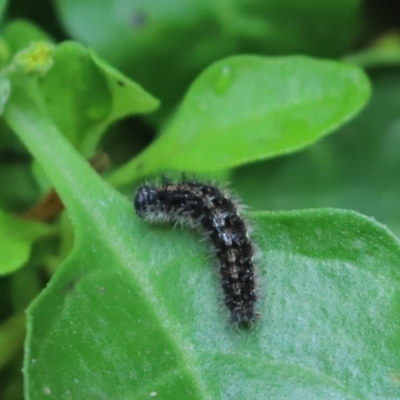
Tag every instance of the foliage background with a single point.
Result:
(332, 326)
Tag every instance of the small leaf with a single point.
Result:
(16, 238)
(128, 97)
(383, 52)
(249, 108)
(81, 93)
(96, 95)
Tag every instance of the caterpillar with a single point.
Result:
(206, 207)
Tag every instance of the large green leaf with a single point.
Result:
(248, 108)
(73, 178)
(134, 312)
(358, 168)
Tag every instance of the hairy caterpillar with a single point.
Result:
(208, 208)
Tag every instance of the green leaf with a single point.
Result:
(134, 310)
(16, 239)
(71, 175)
(79, 92)
(96, 95)
(355, 169)
(248, 108)
(384, 52)
(84, 95)
(327, 313)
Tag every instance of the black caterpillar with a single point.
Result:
(205, 206)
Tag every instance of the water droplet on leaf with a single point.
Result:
(223, 81)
